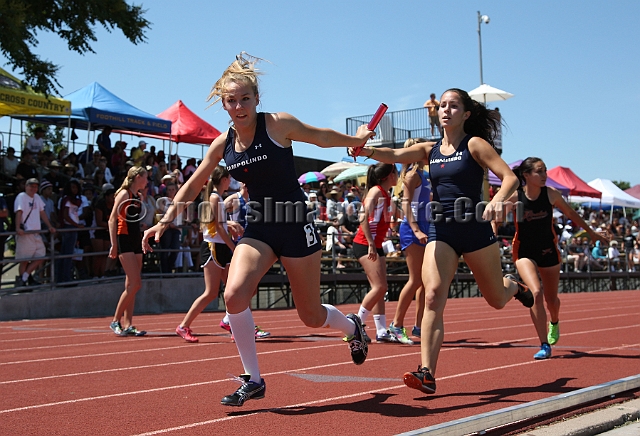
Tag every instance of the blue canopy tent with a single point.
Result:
(94, 107)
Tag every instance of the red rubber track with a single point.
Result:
(74, 377)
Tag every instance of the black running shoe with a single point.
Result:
(421, 380)
(248, 391)
(524, 294)
(357, 343)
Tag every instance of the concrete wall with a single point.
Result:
(156, 296)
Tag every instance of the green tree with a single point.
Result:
(621, 184)
(72, 20)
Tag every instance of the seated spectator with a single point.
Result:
(4, 227)
(335, 243)
(162, 171)
(189, 169)
(101, 241)
(56, 178)
(118, 157)
(170, 239)
(614, 256)
(35, 143)
(333, 201)
(175, 171)
(70, 171)
(102, 166)
(575, 255)
(46, 193)
(70, 219)
(27, 167)
(598, 256)
(10, 162)
(629, 244)
(138, 155)
(29, 210)
(90, 167)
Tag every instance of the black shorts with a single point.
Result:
(130, 244)
(464, 237)
(219, 254)
(360, 250)
(288, 240)
(544, 255)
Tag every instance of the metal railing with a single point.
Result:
(396, 127)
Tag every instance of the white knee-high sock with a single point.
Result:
(363, 314)
(243, 329)
(337, 320)
(381, 324)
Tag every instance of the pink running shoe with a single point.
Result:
(186, 334)
(225, 326)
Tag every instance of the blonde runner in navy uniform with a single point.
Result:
(257, 151)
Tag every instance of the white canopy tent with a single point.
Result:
(611, 196)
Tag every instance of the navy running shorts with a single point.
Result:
(464, 237)
(288, 240)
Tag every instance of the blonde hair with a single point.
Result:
(242, 70)
(207, 220)
(131, 175)
(414, 166)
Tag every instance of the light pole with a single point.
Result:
(481, 19)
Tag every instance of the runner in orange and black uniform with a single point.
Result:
(535, 249)
(126, 244)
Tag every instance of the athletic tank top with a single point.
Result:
(454, 176)
(129, 216)
(210, 233)
(536, 227)
(420, 199)
(378, 222)
(267, 169)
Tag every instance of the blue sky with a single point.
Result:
(570, 64)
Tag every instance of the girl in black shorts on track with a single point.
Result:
(456, 167)
(216, 249)
(257, 151)
(126, 237)
(535, 247)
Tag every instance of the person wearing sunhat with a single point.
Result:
(332, 203)
(46, 193)
(29, 209)
(55, 177)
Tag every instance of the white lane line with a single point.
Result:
(343, 397)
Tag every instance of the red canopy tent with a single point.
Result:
(577, 186)
(634, 191)
(186, 126)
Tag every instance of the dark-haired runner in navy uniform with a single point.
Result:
(456, 168)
